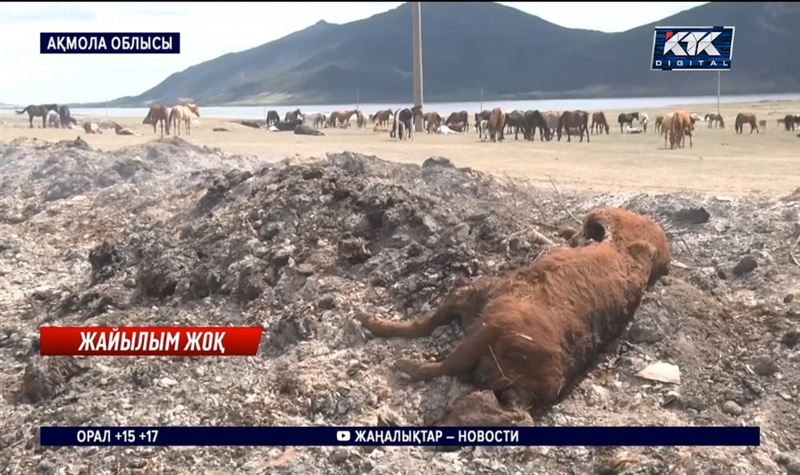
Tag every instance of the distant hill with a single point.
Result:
(466, 46)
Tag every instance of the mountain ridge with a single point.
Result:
(469, 46)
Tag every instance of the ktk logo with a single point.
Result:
(697, 42)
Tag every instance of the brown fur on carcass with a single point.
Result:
(533, 332)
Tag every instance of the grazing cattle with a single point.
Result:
(682, 124)
(182, 114)
(458, 118)
(497, 122)
(599, 123)
(273, 118)
(745, 118)
(158, 114)
(552, 118)
(38, 111)
(533, 120)
(292, 116)
(433, 122)
(715, 120)
(514, 123)
(53, 119)
(533, 333)
(762, 124)
(479, 116)
(403, 127)
(570, 120)
(627, 118)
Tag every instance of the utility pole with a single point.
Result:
(416, 44)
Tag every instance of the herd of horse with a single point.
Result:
(493, 125)
(490, 125)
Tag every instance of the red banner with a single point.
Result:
(149, 341)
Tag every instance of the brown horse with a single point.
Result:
(458, 118)
(552, 118)
(293, 116)
(497, 122)
(158, 114)
(659, 123)
(715, 119)
(599, 123)
(745, 118)
(574, 119)
(433, 122)
(381, 118)
(681, 126)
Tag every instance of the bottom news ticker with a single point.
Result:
(406, 436)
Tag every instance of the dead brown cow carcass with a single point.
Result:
(531, 334)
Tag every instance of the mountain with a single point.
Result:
(468, 46)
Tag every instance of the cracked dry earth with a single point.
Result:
(168, 233)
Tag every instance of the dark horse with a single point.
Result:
(627, 119)
(292, 116)
(65, 117)
(533, 120)
(599, 123)
(158, 113)
(574, 119)
(273, 118)
(514, 123)
(39, 111)
(458, 118)
(745, 118)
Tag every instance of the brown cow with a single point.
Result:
(497, 122)
(532, 334)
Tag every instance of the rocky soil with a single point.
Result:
(168, 233)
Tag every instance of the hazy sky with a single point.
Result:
(209, 30)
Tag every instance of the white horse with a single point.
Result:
(643, 120)
(183, 113)
(52, 119)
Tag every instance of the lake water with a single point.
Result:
(631, 103)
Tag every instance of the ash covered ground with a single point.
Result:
(168, 233)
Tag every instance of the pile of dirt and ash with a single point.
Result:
(168, 233)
